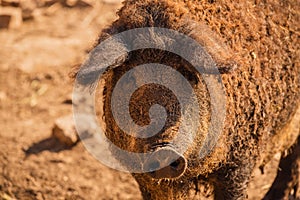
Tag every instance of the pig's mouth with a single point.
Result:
(165, 162)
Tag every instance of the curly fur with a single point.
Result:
(256, 47)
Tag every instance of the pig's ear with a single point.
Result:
(225, 58)
(109, 54)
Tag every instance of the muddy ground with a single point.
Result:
(35, 60)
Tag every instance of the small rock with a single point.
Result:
(4, 196)
(253, 55)
(70, 3)
(64, 130)
(28, 8)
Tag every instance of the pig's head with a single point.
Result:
(174, 160)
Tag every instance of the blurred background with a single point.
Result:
(40, 42)
(40, 156)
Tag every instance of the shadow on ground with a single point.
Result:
(49, 144)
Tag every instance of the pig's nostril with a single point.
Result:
(175, 164)
(159, 167)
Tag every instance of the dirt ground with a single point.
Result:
(35, 60)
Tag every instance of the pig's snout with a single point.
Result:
(166, 162)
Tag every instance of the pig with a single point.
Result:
(255, 46)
